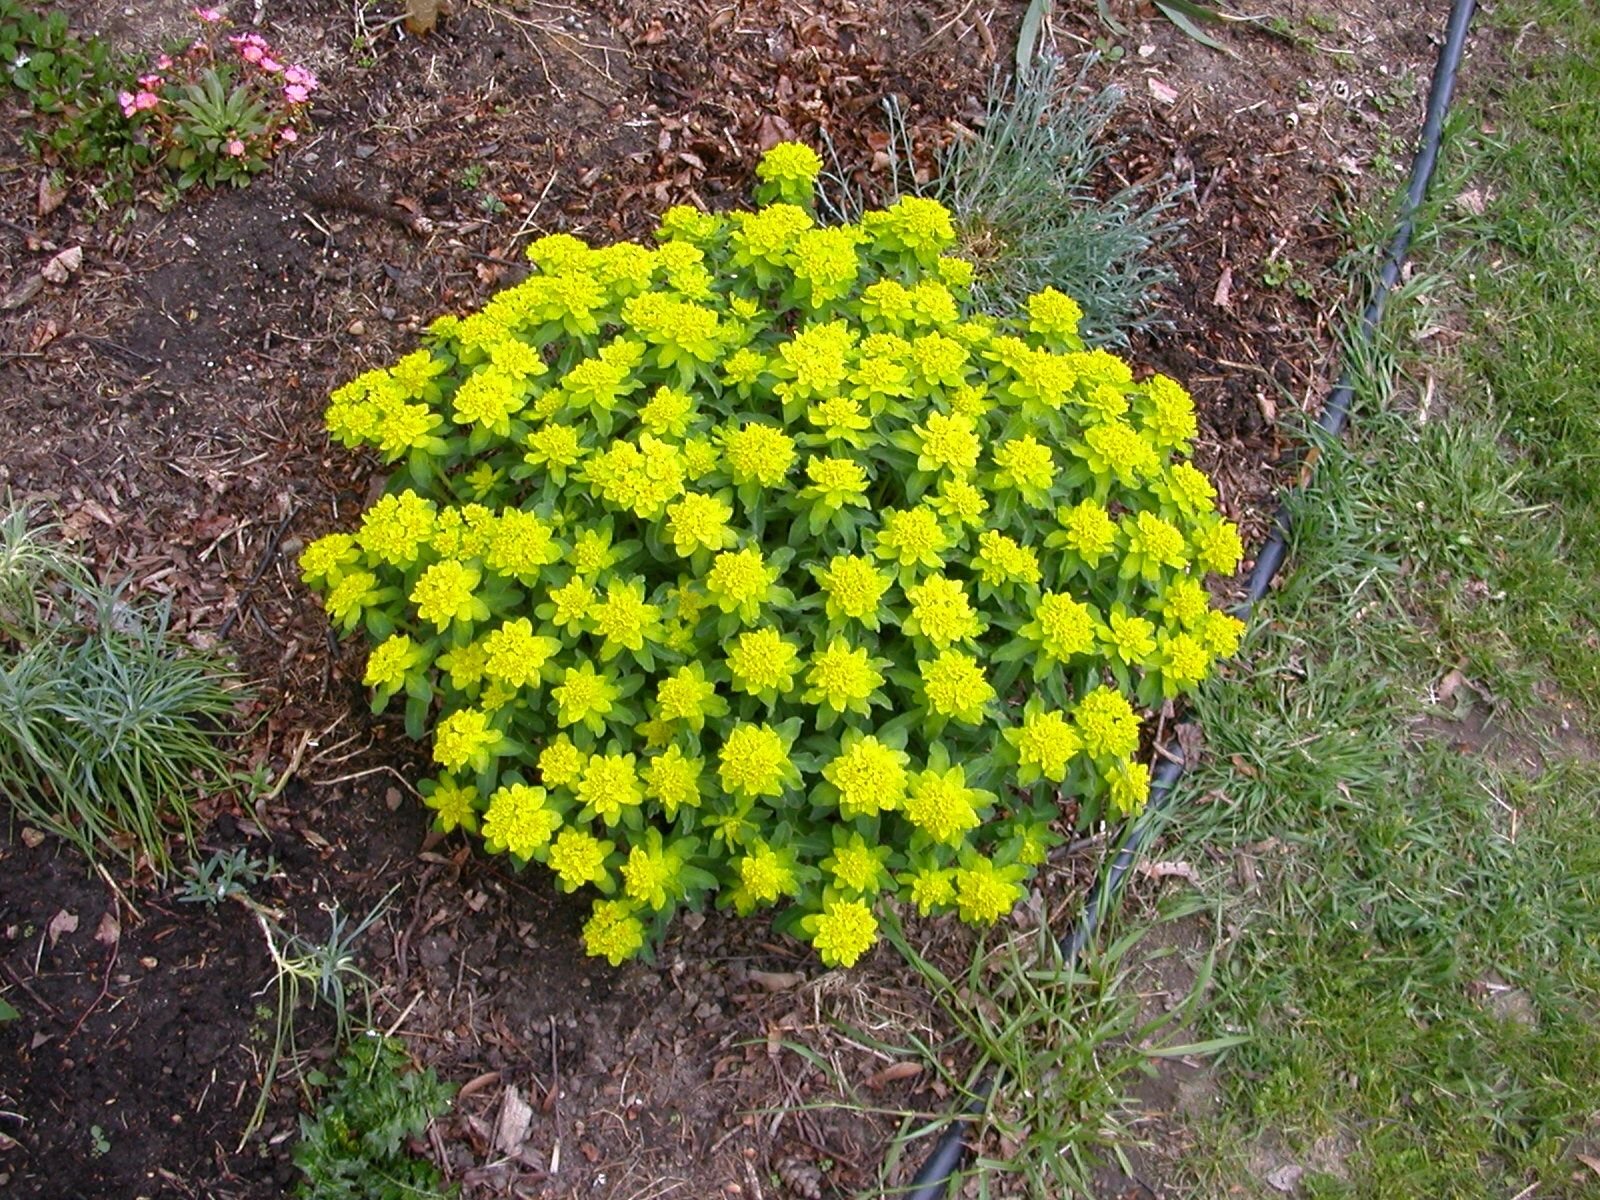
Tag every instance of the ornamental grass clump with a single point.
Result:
(756, 568)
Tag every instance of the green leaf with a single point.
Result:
(1184, 14)
(1028, 33)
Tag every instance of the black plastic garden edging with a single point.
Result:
(934, 1177)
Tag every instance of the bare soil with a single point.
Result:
(166, 401)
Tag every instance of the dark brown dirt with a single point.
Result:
(167, 401)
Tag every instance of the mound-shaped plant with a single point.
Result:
(755, 567)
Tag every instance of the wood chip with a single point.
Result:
(515, 1118)
(1223, 296)
(1162, 92)
(421, 16)
(22, 293)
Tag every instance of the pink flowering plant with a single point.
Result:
(219, 110)
(757, 568)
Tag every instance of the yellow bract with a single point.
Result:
(718, 567)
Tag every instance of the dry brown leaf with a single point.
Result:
(773, 130)
(1286, 1178)
(1589, 1161)
(51, 197)
(1450, 685)
(893, 1073)
(32, 838)
(1474, 202)
(110, 930)
(60, 268)
(1170, 870)
(62, 922)
(477, 1083)
(43, 335)
(777, 981)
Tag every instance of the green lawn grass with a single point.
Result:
(1418, 964)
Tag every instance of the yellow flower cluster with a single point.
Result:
(721, 569)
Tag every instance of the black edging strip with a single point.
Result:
(933, 1178)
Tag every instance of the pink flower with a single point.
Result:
(289, 135)
(150, 81)
(300, 76)
(236, 148)
(146, 100)
(164, 63)
(126, 100)
(251, 52)
(271, 65)
(296, 94)
(209, 15)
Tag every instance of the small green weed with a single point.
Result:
(69, 84)
(222, 876)
(355, 1145)
(7, 1012)
(1288, 274)
(326, 972)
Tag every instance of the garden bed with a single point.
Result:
(167, 400)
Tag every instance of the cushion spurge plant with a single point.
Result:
(754, 568)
